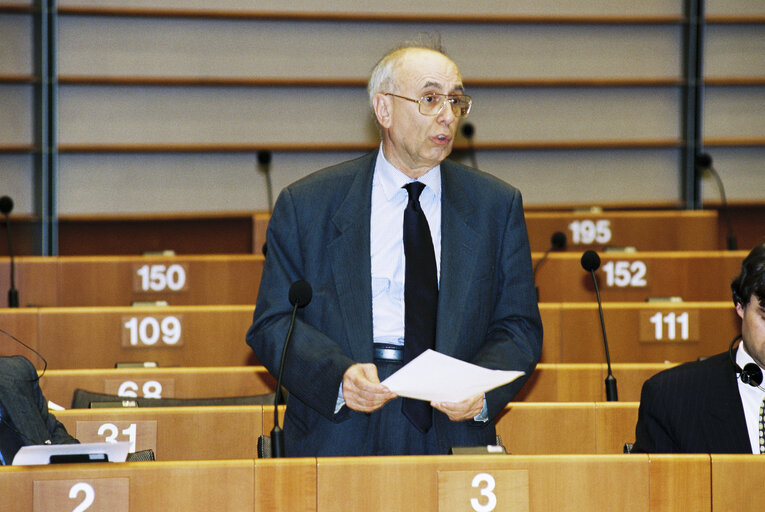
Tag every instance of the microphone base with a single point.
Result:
(13, 298)
(277, 443)
(611, 393)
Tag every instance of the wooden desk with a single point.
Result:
(549, 383)
(560, 483)
(185, 233)
(215, 335)
(170, 336)
(174, 433)
(58, 385)
(529, 428)
(638, 332)
(135, 486)
(625, 277)
(648, 230)
(641, 483)
(122, 280)
(584, 382)
(21, 324)
(234, 279)
(737, 481)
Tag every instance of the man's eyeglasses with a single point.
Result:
(433, 104)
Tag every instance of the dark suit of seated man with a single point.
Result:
(25, 418)
(715, 405)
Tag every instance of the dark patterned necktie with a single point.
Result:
(420, 296)
(762, 427)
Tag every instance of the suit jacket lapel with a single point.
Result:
(727, 424)
(348, 253)
(458, 255)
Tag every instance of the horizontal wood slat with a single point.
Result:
(362, 146)
(211, 81)
(371, 16)
(478, 82)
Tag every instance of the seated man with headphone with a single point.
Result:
(716, 405)
(24, 416)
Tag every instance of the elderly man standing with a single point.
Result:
(405, 251)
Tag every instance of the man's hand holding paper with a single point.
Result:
(436, 377)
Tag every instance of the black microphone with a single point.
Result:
(300, 295)
(591, 263)
(704, 163)
(557, 243)
(468, 130)
(264, 164)
(6, 206)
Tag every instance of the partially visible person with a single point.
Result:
(715, 405)
(24, 416)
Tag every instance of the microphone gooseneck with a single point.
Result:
(6, 207)
(704, 163)
(300, 295)
(591, 262)
(45, 361)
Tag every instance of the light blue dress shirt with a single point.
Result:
(389, 201)
(386, 228)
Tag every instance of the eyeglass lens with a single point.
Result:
(431, 104)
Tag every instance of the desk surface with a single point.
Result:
(637, 332)
(58, 386)
(234, 279)
(196, 336)
(69, 281)
(657, 230)
(635, 277)
(174, 433)
(550, 382)
(100, 337)
(655, 483)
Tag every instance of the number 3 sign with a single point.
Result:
(483, 491)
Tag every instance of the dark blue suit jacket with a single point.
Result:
(487, 310)
(692, 408)
(26, 420)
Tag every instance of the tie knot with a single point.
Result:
(414, 189)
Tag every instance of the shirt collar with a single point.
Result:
(742, 359)
(391, 179)
(742, 356)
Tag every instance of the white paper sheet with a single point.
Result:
(41, 453)
(437, 377)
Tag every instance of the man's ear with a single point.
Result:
(740, 310)
(382, 108)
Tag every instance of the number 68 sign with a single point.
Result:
(483, 491)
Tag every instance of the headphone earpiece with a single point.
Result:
(751, 373)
